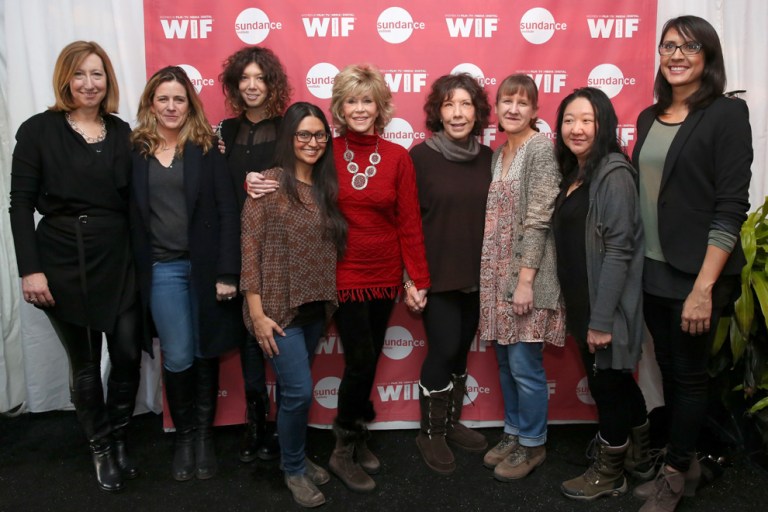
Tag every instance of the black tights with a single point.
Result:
(362, 326)
(450, 321)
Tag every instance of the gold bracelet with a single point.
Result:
(408, 284)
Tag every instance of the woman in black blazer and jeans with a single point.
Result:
(186, 236)
(693, 154)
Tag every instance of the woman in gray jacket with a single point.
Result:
(599, 240)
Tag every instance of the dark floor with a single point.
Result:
(45, 466)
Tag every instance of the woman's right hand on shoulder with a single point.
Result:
(257, 186)
(264, 329)
(35, 289)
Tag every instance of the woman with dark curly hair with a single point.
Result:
(257, 91)
(453, 176)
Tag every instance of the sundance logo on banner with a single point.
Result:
(187, 27)
(472, 25)
(196, 78)
(582, 392)
(401, 132)
(399, 343)
(474, 390)
(328, 25)
(609, 78)
(319, 80)
(475, 72)
(538, 25)
(253, 25)
(395, 25)
(609, 26)
(326, 392)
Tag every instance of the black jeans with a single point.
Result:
(362, 326)
(683, 361)
(620, 403)
(450, 321)
(84, 356)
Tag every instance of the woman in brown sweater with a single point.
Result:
(290, 244)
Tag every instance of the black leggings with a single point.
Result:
(620, 403)
(84, 356)
(362, 326)
(450, 321)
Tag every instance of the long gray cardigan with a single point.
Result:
(539, 186)
(614, 245)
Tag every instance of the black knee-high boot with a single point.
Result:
(207, 394)
(180, 391)
(88, 399)
(121, 400)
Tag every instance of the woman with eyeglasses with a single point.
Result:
(290, 243)
(185, 234)
(693, 154)
(256, 89)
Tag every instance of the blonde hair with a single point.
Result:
(356, 80)
(195, 129)
(70, 58)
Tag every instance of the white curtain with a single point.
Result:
(34, 31)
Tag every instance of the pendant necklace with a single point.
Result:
(360, 179)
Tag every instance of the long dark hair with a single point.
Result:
(693, 28)
(325, 184)
(605, 142)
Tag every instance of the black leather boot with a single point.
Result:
(207, 393)
(121, 400)
(180, 392)
(88, 399)
(255, 433)
(270, 450)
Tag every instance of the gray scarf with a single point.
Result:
(454, 151)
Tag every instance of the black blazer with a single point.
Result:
(214, 242)
(705, 182)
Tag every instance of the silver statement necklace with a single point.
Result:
(360, 179)
(90, 140)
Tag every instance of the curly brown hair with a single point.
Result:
(442, 89)
(278, 88)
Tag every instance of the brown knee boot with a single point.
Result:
(638, 461)
(459, 435)
(342, 463)
(432, 436)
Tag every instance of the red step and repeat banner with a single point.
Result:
(608, 44)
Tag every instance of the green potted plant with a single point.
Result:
(742, 364)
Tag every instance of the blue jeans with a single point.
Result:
(174, 309)
(294, 375)
(524, 387)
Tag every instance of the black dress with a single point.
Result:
(82, 242)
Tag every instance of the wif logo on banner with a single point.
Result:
(405, 81)
(472, 25)
(339, 25)
(329, 345)
(187, 27)
(608, 26)
(396, 391)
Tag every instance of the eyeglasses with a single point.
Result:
(690, 48)
(320, 137)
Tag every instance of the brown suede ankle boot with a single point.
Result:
(605, 477)
(342, 463)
